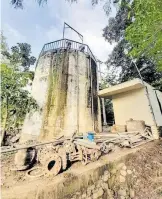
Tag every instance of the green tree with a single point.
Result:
(3, 45)
(145, 32)
(20, 56)
(120, 66)
(119, 63)
(123, 68)
(15, 99)
(19, 3)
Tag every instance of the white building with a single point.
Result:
(137, 100)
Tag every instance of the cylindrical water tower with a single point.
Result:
(65, 88)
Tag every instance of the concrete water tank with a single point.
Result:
(65, 88)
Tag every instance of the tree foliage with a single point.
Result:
(19, 3)
(121, 66)
(115, 30)
(15, 99)
(119, 62)
(20, 55)
(145, 32)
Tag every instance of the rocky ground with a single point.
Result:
(139, 176)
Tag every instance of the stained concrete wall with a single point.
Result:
(33, 121)
(65, 87)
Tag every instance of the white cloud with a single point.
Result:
(88, 20)
(48, 21)
(13, 36)
(53, 34)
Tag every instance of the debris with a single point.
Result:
(106, 148)
(131, 193)
(87, 143)
(35, 172)
(15, 138)
(129, 172)
(118, 128)
(54, 155)
(122, 192)
(53, 165)
(123, 173)
(98, 194)
(122, 179)
(135, 125)
(24, 159)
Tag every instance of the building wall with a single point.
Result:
(132, 104)
(34, 120)
(156, 101)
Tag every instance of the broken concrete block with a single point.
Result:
(119, 166)
(122, 179)
(105, 178)
(129, 172)
(98, 194)
(124, 167)
(122, 192)
(123, 173)
(131, 193)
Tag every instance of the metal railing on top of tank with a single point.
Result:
(67, 44)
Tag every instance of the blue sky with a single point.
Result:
(38, 25)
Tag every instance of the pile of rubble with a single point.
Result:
(53, 157)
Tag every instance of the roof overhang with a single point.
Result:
(120, 88)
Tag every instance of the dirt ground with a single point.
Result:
(146, 163)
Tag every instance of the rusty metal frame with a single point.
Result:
(68, 26)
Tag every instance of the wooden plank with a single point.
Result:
(32, 145)
(141, 143)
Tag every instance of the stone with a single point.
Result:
(124, 167)
(129, 172)
(89, 193)
(98, 194)
(122, 197)
(84, 196)
(105, 186)
(123, 173)
(110, 193)
(122, 192)
(113, 171)
(99, 182)
(105, 178)
(106, 172)
(119, 166)
(92, 187)
(122, 179)
(131, 193)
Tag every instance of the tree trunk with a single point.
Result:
(4, 123)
